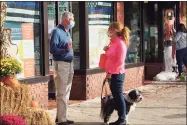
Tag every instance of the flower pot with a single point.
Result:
(10, 81)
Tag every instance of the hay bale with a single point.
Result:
(36, 116)
(13, 99)
(17, 101)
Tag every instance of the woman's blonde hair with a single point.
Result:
(122, 32)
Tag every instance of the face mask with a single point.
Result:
(71, 25)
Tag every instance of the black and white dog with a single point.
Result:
(131, 98)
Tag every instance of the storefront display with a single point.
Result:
(31, 24)
(23, 35)
(132, 20)
(100, 14)
(62, 7)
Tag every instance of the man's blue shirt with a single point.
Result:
(59, 45)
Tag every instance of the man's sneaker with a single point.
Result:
(68, 121)
(178, 78)
(63, 123)
(113, 123)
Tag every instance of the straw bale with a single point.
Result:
(13, 99)
(17, 101)
(36, 116)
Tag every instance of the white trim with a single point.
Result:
(20, 19)
(23, 11)
(98, 16)
(104, 4)
(98, 26)
(99, 22)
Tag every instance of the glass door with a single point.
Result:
(151, 31)
(62, 6)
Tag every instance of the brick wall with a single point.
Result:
(78, 90)
(134, 78)
(150, 73)
(120, 12)
(89, 86)
(40, 92)
(94, 85)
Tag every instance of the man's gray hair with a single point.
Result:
(66, 14)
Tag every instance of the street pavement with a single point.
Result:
(163, 104)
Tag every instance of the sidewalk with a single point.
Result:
(163, 105)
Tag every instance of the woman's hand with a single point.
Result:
(108, 76)
(105, 48)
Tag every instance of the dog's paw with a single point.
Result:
(105, 123)
(127, 123)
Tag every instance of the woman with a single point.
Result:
(115, 66)
(181, 46)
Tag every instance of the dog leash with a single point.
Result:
(104, 81)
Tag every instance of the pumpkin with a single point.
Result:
(34, 103)
(15, 83)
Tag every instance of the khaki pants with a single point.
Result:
(63, 81)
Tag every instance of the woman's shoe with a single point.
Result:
(117, 123)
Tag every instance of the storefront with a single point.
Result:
(26, 43)
(32, 22)
(145, 50)
(90, 36)
(155, 33)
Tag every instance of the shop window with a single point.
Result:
(23, 18)
(151, 32)
(62, 6)
(75, 35)
(100, 15)
(51, 25)
(65, 6)
(132, 21)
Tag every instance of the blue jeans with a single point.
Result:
(181, 56)
(116, 87)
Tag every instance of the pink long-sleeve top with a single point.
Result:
(116, 54)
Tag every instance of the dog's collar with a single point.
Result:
(128, 99)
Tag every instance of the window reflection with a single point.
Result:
(100, 15)
(132, 14)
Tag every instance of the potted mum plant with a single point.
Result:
(9, 67)
(11, 120)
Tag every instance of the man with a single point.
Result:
(62, 51)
